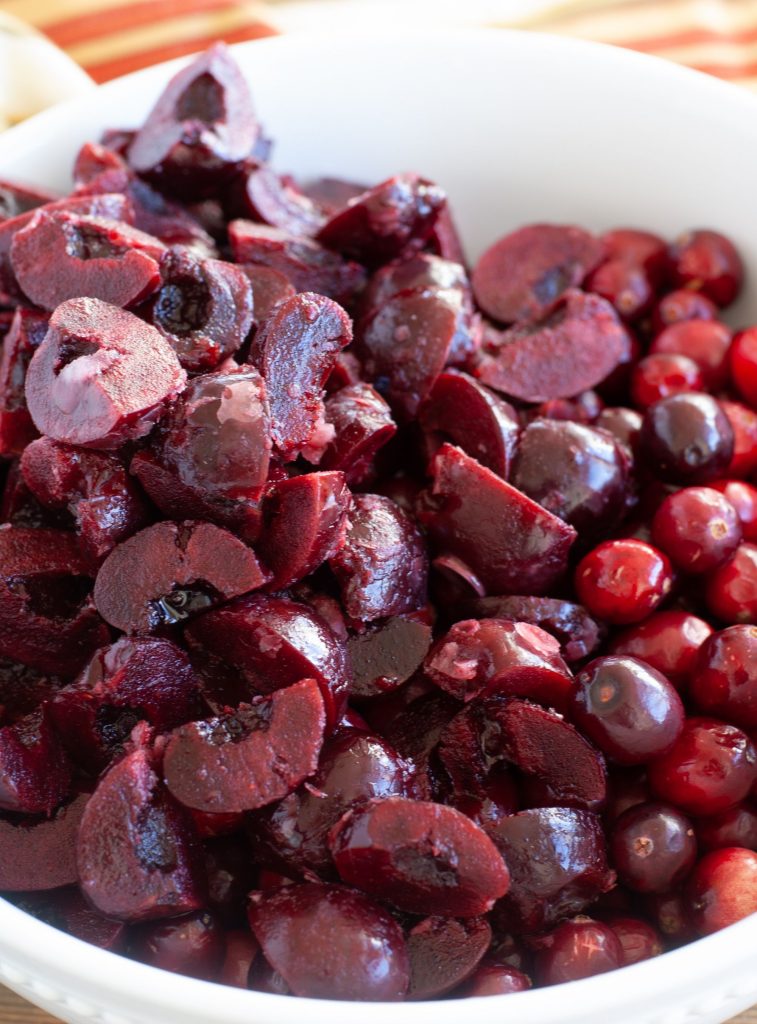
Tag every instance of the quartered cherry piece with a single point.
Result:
(248, 758)
(62, 255)
(101, 376)
(137, 855)
(525, 273)
(184, 568)
(269, 288)
(295, 352)
(574, 348)
(443, 953)
(388, 220)
(39, 854)
(363, 424)
(35, 773)
(420, 271)
(259, 194)
(579, 634)
(202, 127)
(25, 334)
(387, 654)
(463, 512)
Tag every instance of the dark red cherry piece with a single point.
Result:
(579, 634)
(259, 194)
(35, 772)
(386, 655)
(444, 952)
(363, 424)
(192, 945)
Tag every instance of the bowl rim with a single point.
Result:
(60, 956)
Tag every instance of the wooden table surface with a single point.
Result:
(14, 1010)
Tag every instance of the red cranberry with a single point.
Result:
(191, 945)
(495, 980)
(667, 641)
(735, 827)
(744, 364)
(623, 424)
(711, 767)
(723, 889)
(743, 422)
(662, 375)
(641, 248)
(732, 588)
(682, 305)
(577, 949)
(627, 787)
(671, 913)
(743, 497)
(622, 581)
(652, 847)
(697, 528)
(687, 438)
(627, 708)
(724, 678)
(638, 939)
(625, 284)
(706, 262)
(706, 342)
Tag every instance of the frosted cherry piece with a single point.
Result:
(171, 571)
(463, 512)
(39, 854)
(248, 758)
(202, 127)
(137, 854)
(101, 376)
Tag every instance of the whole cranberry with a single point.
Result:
(735, 827)
(706, 262)
(743, 422)
(723, 889)
(661, 375)
(744, 364)
(627, 708)
(653, 847)
(711, 767)
(624, 424)
(724, 680)
(743, 497)
(495, 980)
(577, 949)
(640, 248)
(638, 939)
(623, 581)
(706, 342)
(671, 913)
(668, 641)
(732, 588)
(681, 305)
(697, 528)
(192, 945)
(625, 284)
(687, 438)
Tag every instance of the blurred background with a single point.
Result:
(51, 49)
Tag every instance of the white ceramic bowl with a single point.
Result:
(518, 127)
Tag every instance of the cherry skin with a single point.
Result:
(711, 767)
(681, 305)
(578, 949)
(191, 945)
(661, 375)
(723, 889)
(495, 980)
(624, 424)
(623, 581)
(731, 592)
(653, 847)
(706, 262)
(667, 641)
(724, 680)
(743, 422)
(638, 939)
(743, 497)
(705, 342)
(743, 357)
(697, 528)
(687, 438)
(627, 708)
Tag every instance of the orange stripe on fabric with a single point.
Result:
(69, 31)
(135, 61)
(692, 37)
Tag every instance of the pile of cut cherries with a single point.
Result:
(368, 630)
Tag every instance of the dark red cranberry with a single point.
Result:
(667, 641)
(735, 827)
(707, 262)
(743, 497)
(652, 847)
(627, 708)
(421, 857)
(625, 284)
(558, 866)
(744, 364)
(577, 949)
(687, 438)
(638, 939)
(522, 275)
(671, 913)
(682, 305)
(743, 422)
(697, 528)
(724, 677)
(711, 767)
(731, 592)
(444, 952)
(723, 889)
(572, 349)
(706, 342)
(495, 980)
(624, 424)
(191, 945)
(365, 957)
(623, 581)
(662, 375)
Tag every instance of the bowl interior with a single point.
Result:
(518, 127)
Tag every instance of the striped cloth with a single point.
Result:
(112, 37)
